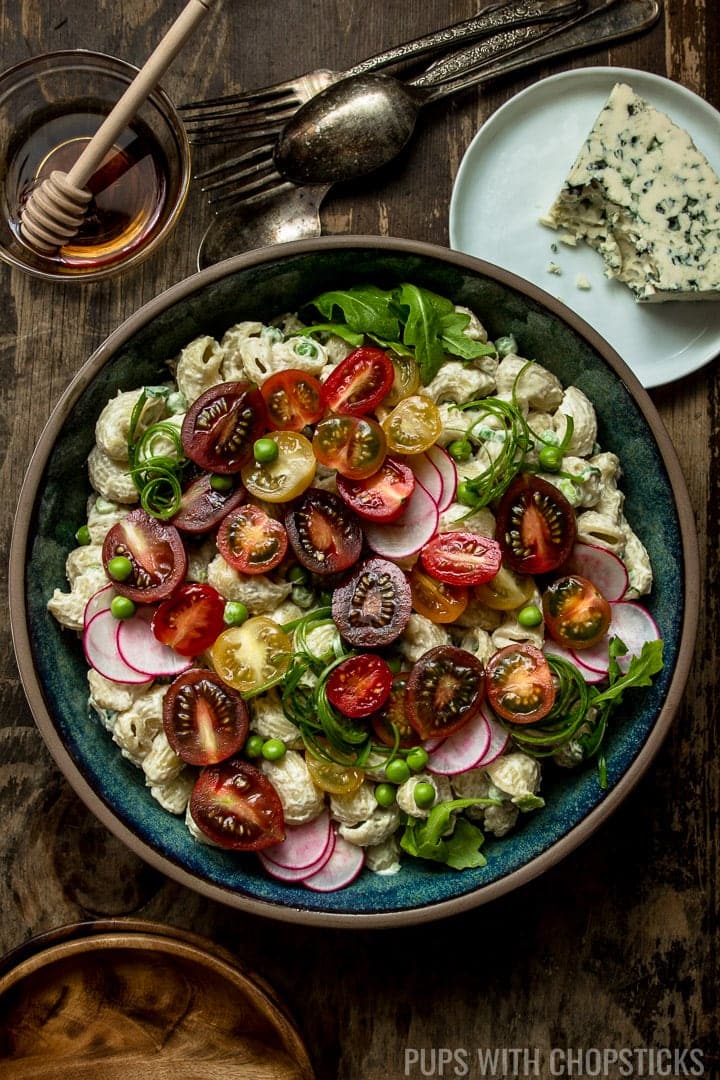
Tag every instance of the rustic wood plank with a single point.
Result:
(615, 947)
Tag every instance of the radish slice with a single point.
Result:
(589, 674)
(285, 873)
(432, 744)
(446, 467)
(606, 571)
(633, 625)
(405, 535)
(99, 601)
(463, 749)
(341, 869)
(499, 739)
(303, 844)
(427, 474)
(101, 650)
(139, 647)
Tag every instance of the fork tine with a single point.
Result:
(263, 94)
(259, 108)
(252, 194)
(222, 124)
(261, 155)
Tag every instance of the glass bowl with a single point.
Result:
(50, 106)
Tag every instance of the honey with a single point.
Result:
(129, 189)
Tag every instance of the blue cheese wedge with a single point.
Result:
(643, 195)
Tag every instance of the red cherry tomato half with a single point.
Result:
(360, 685)
(444, 691)
(520, 685)
(236, 806)
(535, 525)
(435, 599)
(325, 535)
(251, 541)
(353, 445)
(462, 558)
(205, 720)
(293, 399)
(202, 507)
(577, 615)
(156, 553)
(191, 619)
(359, 382)
(382, 496)
(220, 428)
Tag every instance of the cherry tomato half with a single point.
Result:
(382, 496)
(371, 609)
(332, 777)
(444, 690)
(287, 475)
(190, 619)
(576, 613)
(293, 399)
(205, 720)
(359, 685)
(156, 554)
(435, 599)
(359, 382)
(406, 379)
(251, 541)
(535, 525)
(325, 535)
(414, 425)
(236, 806)
(248, 656)
(221, 426)
(390, 721)
(506, 591)
(353, 445)
(520, 685)
(202, 507)
(462, 558)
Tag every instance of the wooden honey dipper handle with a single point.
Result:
(55, 210)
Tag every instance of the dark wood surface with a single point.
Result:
(617, 947)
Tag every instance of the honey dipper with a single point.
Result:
(56, 208)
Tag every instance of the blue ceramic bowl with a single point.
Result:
(258, 286)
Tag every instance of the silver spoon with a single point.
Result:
(356, 125)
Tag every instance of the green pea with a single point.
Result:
(221, 483)
(119, 568)
(397, 771)
(506, 345)
(384, 794)
(424, 794)
(298, 575)
(550, 458)
(265, 451)
(83, 535)
(122, 607)
(254, 746)
(235, 613)
(273, 749)
(306, 347)
(531, 615)
(466, 495)
(460, 450)
(302, 596)
(417, 758)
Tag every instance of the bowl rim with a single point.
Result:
(21, 536)
(122, 68)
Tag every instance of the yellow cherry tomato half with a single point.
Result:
(413, 425)
(406, 381)
(334, 778)
(506, 591)
(247, 657)
(353, 445)
(436, 600)
(290, 473)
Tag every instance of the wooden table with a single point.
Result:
(617, 947)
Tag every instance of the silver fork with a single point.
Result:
(252, 177)
(261, 113)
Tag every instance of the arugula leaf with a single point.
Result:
(639, 673)
(456, 341)
(425, 840)
(341, 330)
(423, 328)
(367, 310)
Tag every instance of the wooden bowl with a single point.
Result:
(136, 1001)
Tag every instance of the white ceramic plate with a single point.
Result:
(509, 177)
